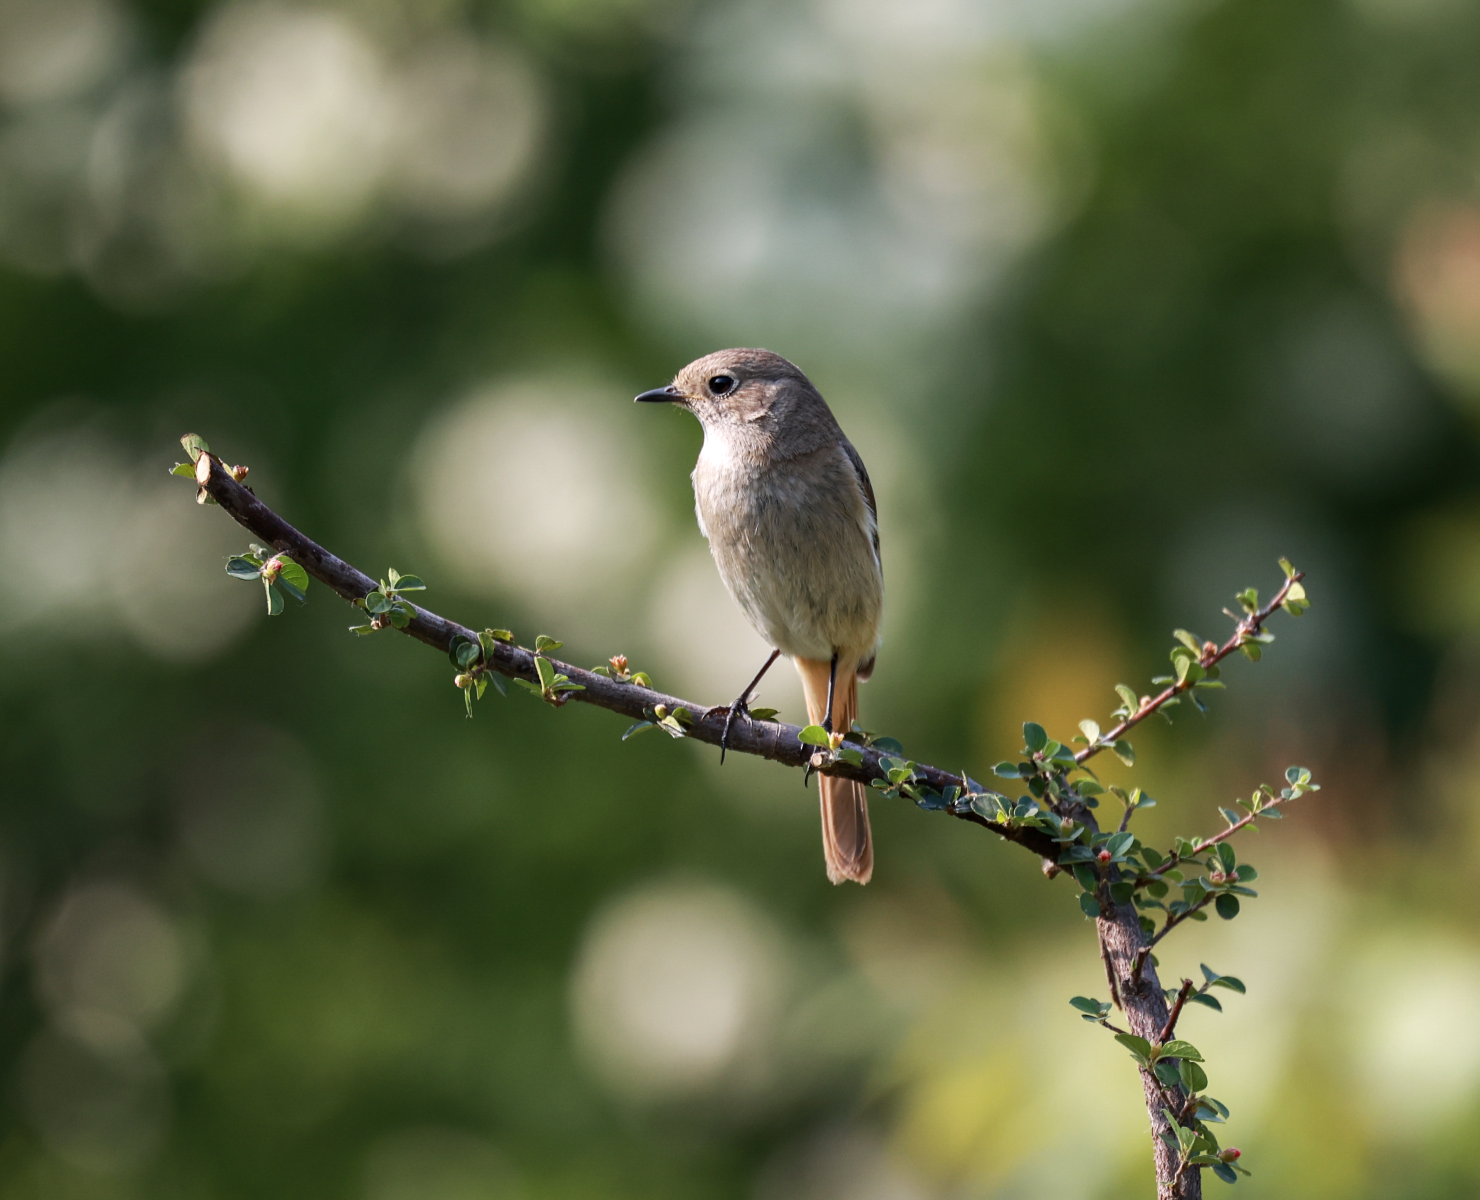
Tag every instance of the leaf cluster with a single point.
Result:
(279, 574)
(387, 605)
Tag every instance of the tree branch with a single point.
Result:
(1212, 654)
(774, 740)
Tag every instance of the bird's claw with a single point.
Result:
(738, 709)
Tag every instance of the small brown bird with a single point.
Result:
(787, 506)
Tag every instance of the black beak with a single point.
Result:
(660, 395)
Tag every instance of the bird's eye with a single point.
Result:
(722, 385)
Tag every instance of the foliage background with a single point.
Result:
(1120, 299)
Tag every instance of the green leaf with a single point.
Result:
(1226, 856)
(194, 445)
(546, 673)
(1287, 568)
(185, 469)
(274, 599)
(1034, 737)
(764, 714)
(1086, 1005)
(851, 754)
(500, 635)
(1128, 696)
(1007, 770)
(293, 575)
(241, 567)
(362, 630)
(1227, 906)
(377, 602)
(1088, 787)
(1250, 650)
(1231, 983)
(1191, 1076)
(1224, 1172)
(814, 735)
(632, 730)
(1139, 1047)
(410, 583)
(1204, 999)
(1246, 873)
(1230, 816)
(546, 643)
(1124, 751)
(466, 653)
(1190, 640)
(1091, 730)
(1180, 1049)
(1089, 905)
(399, 616)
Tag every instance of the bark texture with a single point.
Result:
(1145, 1007)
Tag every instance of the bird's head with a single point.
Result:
(742, 387)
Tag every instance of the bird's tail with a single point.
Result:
(846, 843)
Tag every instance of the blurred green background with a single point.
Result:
(1119, 299)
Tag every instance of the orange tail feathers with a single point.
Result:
(846, 842)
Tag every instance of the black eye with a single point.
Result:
(721, 385)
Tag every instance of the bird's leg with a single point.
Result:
(739, 706)
(832, 682)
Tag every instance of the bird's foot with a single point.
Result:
(737, 709)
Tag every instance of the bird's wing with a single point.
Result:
(868, 495)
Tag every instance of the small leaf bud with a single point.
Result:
(1068, 829)
(660, 710)
(1104, 856)
(1229, 1153)
(463, 681)
(239, 472)
(618, 663)
(834, 740)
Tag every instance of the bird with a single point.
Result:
(789, 512)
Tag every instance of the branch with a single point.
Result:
(1212, 654)
(1171, 1025)
(1208, 843)
(774, 740)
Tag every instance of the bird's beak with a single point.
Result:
(661, 395)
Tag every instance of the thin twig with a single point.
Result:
(1174, 921)
(1140, 965)
(1167, 1029)
(1210, 656)
(1109, 970)
(1208, 843)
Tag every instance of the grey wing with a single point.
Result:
(868, 493)
(865, 669)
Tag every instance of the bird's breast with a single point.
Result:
(792, 540)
